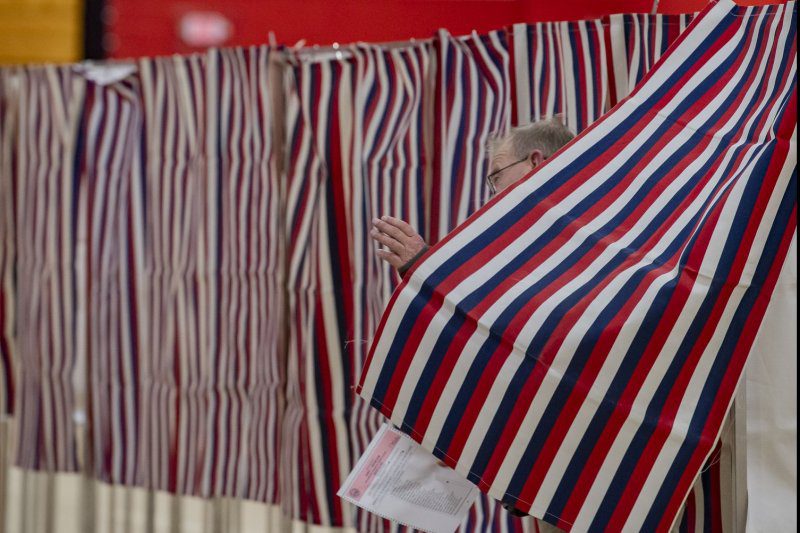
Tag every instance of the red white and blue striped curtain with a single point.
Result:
(573, 347)
(48, 321)
(355, 123)
(7, 238)
(559, 68)
(360, 145)
(109, 133)
(708, 507)
(149, 284)
(635, 42)
(471, 104)
(200, 403)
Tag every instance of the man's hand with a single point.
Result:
(402, 241)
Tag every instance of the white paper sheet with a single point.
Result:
(399, 480)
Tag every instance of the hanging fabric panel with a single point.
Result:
(191, 401)
(356, 145)
(109, 136)
(471, 106)
(636, 43)
(8, 105)
(651, 243)
(241, 254)
(472, 92)
(175, 388)
(359, 136)
(560, 68)
(48, 320)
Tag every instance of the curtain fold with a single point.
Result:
(47, 187)
(8, 99)
(204, 288)
(635, 42)
(471, 104)
(560, 68)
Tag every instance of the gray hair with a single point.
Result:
(547, 136)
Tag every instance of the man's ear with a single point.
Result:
(536, 158)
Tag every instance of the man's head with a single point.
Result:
(524, 148)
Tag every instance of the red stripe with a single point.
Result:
(459, 174)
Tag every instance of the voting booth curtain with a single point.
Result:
(574, 347)
(188, 291)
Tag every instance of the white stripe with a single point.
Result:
(619, 55)
(522, 72)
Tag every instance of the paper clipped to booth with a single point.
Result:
(399, 480)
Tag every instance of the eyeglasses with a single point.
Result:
(490, 179)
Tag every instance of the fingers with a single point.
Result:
(392, 244)
(390, 258)
(391, 230)
(402, 225)
(402, 241)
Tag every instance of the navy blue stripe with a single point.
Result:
(593, 82)
(420, 151)
(458, 153)
(476, 171)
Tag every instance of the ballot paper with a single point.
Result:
(397, 479)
